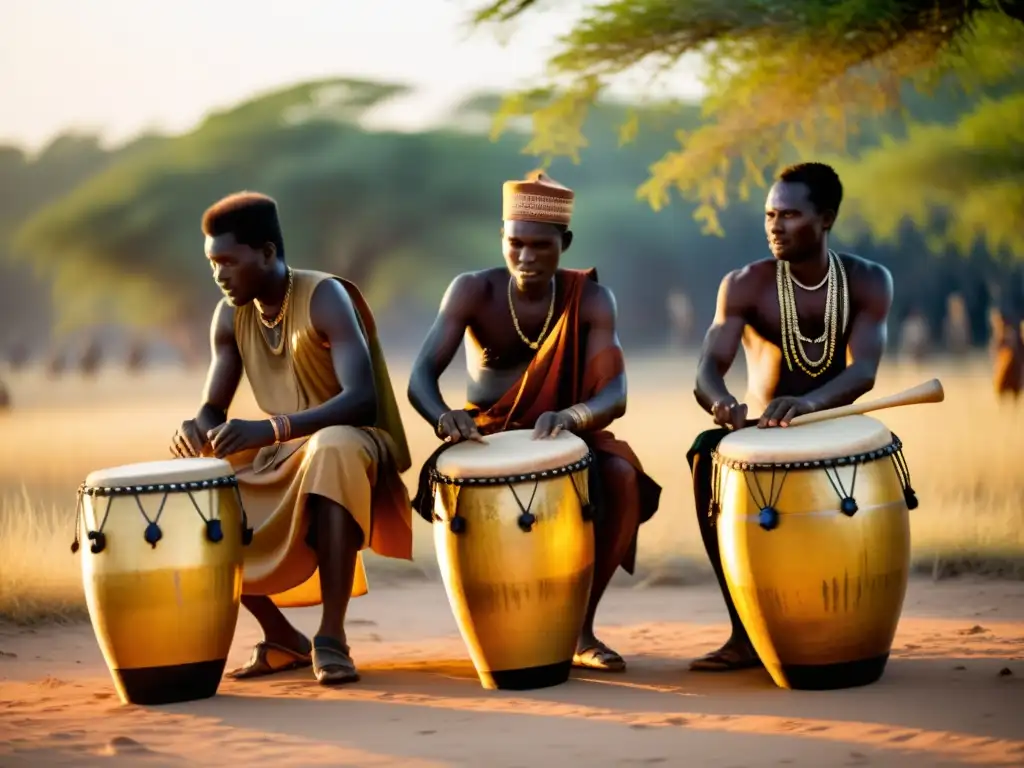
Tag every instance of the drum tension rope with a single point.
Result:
(900, 462)
(153, 534)
(768, 517)
(526, 519)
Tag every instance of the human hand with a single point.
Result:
(551, 423)
(783, 410)
(188, 441)
(456, 426)
(729, 413)
(240, 435)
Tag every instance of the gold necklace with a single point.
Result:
(792, 339)
(284, 306)
(547, 321)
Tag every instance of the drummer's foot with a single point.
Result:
(735, 654)
(591, 653)
(332, 664)
(269, 658)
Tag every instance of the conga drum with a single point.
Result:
(515, 544)
(163, 574)
(814, 535)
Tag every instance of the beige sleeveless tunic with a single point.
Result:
(356, 468)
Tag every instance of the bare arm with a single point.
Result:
(442, 342)
(225, 371)
(867, 342)
(334, 317)
(599, 312)
(721, 342)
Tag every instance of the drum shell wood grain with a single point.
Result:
(821, 594)
(519, 598)
(164, 616)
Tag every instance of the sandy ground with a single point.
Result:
(945, 699)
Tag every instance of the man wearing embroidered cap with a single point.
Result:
(543, 355)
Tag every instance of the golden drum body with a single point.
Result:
(814, 534)
(515, 544)
(162, 571)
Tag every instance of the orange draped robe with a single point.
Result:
(557, 378)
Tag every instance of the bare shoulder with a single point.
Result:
(744, 286)
(869, 280)
(597, 304)
(329, 296)
(331, 306)
(223, 322)
(470, 290)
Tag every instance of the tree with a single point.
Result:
(784, 77)
(965, 181)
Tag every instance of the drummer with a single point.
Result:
(320, 478)
(822, 295)
(543, 354)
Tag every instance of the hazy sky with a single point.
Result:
(121, 66)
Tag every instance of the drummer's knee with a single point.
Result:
(337, 442)
(620, 482)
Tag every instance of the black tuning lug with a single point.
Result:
(153, 534)
(911, 497)
(526, 521)
(457, 524)
(214, 531)
(99, 541)
(848, 506)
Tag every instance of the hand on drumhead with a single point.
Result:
(456, 426)
(188, 441)
(729, 413)
(240, 435)
(551, 423)
(783, 410)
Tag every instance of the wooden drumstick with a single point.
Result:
(929, 392)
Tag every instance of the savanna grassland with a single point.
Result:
(964, 456)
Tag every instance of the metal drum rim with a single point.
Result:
(544, 474)
(894, 446)
(226, 481)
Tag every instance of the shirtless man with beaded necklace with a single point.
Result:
(813, 327)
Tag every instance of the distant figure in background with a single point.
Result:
(1008, 349)
(136, 358)
(957, 330)
(914, 336)
(5, 397)
(680, 319)
(56, 363)
(92, 358)
(18, 355)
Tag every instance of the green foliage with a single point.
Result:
(784, 78)
(963, 183)
(399, 213)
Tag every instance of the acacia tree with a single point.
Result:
(786, 78)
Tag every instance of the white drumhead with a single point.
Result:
(832, 439)
(160, 472)
(511, 453)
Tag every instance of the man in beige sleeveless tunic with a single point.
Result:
(320, 478)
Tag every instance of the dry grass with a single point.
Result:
(963, 455)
